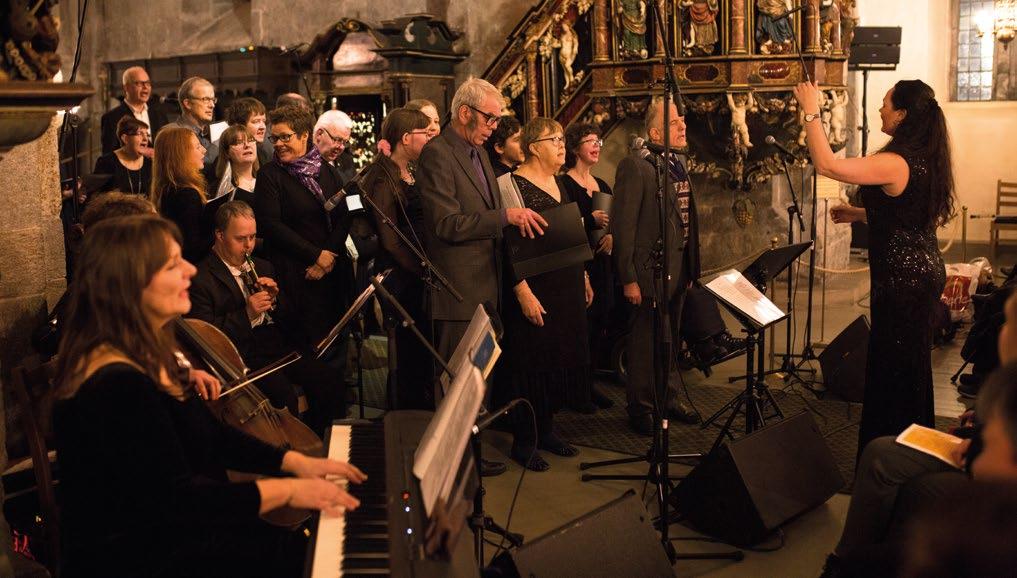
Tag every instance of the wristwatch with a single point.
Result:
(811, 117)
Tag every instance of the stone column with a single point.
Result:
(810, 28)
(739, 17)
(658, 34)
(532, 102)
(601, 32)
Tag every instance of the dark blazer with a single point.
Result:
(296, 230)
(635, 225)
(217, 299)
(110, 142)
(462, 229)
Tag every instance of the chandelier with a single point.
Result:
(1001, 21)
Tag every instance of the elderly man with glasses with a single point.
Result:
(197, 109)
(464, 218)
(137, 91)
(332, 134)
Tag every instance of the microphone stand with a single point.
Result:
(658, 456)
(479, 520)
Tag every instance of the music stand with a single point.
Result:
(745, 298)
(339, 328)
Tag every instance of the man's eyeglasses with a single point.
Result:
(285, 138)
(556, 139)
(598, 142)
(491, 120)
(339, 141)
(204, 99)
(140, 83)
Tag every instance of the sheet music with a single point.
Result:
(441, 449)
(479, 328)
(735, 290)
(216, 129)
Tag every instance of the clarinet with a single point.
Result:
(250, 277)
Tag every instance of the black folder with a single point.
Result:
(563, 244)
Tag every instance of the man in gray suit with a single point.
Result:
(463, 214)
(635, 223)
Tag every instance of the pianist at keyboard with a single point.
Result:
(142, 459)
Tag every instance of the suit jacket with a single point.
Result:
(110, 142)
(296, 229)
(217, 299)
(635, 224)
(462, 227)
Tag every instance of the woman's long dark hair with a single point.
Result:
(117, 261)
(923, 132)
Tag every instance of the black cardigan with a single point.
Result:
(139, 467)
(124, 179)
(184, 207)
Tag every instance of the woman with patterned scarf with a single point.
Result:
(304, 240)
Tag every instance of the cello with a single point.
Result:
(241, 404)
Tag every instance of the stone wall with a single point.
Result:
(32, 270)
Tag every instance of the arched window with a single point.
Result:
(983, 66)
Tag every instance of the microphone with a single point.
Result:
(789, 13)
(773, 142)
(657, 149)
(294, 48)
(352, 190)
(493, 415)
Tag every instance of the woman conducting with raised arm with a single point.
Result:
(907, 189)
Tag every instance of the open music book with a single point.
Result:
(478, 347)
(738, 293)
(930, 441)
(436, 462)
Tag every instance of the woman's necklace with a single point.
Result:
(130, 181)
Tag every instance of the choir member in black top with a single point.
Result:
(390, 184)
(178, 188)
(582, 152)
(304, 240)
(237, 166)
(142, 459)
(129, 168)
(504, 148)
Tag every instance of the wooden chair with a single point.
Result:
(30, 389)
(1006, 214)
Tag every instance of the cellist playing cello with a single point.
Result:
(142, 460)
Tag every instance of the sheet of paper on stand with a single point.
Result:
(476, 333)
(827, 188)
(735, 290)
(436, 462)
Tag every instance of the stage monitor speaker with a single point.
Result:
(875, 48)
(876, 35)
(843, 361)
(749, 487)
(616, 539)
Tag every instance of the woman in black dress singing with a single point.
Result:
(907, 189)
(547, 350)
(236, 169)
(142, 459)
(178, 188)
(130, 166)
(582, 152)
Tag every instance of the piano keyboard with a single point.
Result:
(383, 536)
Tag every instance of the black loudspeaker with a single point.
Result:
(875, 48)
(749, 487)
(843, 361)
(614, 540)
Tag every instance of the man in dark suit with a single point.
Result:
(635, 224)
(137, 91)
(463, 214)
(256, 318)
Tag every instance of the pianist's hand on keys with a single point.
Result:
(316, 487)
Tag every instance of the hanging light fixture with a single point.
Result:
(1001, 21)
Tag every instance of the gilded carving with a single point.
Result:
(632, 27)
(699, 33)
(773, 28)
(30, 38)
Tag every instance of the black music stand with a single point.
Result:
(756, 395)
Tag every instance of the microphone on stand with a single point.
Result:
(773, 142)
(493, 415)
